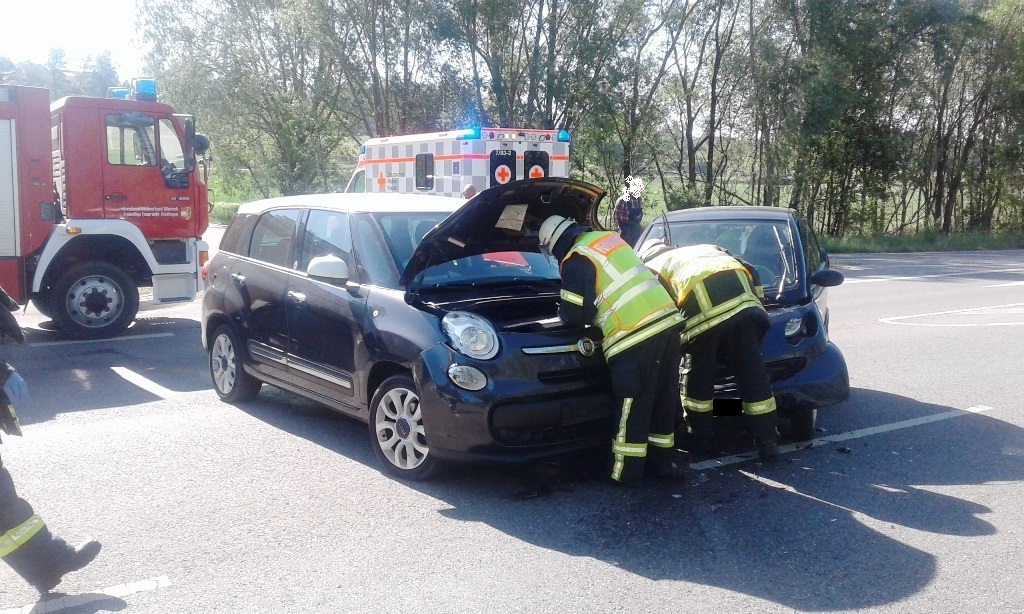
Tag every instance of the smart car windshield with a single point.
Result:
(766, 245)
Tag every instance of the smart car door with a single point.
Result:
(324, 313)
(262, 281)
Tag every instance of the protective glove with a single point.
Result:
(16, 390)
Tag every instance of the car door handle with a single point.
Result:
(117, 197)
(238, 277)
(298, 297)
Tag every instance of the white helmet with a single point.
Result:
(551, 230)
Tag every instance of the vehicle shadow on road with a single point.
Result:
(810, 531)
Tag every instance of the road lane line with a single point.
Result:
(972, 310)
(126, 338)
(74, 601)
(142, 382)
(717, 463)
(868, 280)
(1012, 283)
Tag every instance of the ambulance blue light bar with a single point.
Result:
(121, 93)
(144, 88)
(563, 136)
(471, 133)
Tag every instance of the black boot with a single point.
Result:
(666, 463)
(700, 426)
(765, 434)
(43, 560)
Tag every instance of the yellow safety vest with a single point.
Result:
(632, 306)
(686, 268)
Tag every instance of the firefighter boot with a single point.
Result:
(43, 560)
(765, 434)
(666, 463)
(699, 425)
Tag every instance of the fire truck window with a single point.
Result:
(171, 151)
(130, 141)
(273, 236)
(425, 171)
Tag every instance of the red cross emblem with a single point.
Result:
(380, 182)
(536, 172)
(503, 173)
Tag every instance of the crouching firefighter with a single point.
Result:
(604, 283)
(720, 298)
(25, 542)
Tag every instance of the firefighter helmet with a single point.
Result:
(551, 230)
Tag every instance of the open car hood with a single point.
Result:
(504, 218)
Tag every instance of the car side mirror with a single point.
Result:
(328, 268)
(827, 278)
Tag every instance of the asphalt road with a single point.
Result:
(909, 502)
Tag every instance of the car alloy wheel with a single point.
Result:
(396, 425)
(230, 380)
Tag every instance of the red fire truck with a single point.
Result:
(98, 197)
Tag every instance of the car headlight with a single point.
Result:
(471, 335)
(468, 377)
(794, 326)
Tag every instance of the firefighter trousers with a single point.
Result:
(25, 542)
(644, 382)
(735, 342)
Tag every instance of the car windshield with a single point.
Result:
(767, 245)
(403, 233)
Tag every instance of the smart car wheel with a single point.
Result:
(397, 430)
(801, 424)
(230, 380)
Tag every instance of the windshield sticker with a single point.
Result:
(512, 217)
(455, 241)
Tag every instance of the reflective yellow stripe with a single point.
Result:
(635, 450)
(703, 300)
(697, 405)
(761, 407)
(662, 441)
(618, 281)
(627, 403)
(703, 321)
(572, 297)
(19, 535)
(673, 320)
(635, 291)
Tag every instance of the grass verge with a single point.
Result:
(923, 242)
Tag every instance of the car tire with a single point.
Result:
(801, 424)
(230, 380)
(397, 431)
(94, 300)
(42, 305)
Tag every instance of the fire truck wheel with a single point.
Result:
(94, 300)
(42, 304)
(230, 380)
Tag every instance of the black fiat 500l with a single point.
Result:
(431, 319)
(807, 370)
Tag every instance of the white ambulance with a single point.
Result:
(445, 162)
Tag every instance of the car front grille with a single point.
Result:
(778, 370)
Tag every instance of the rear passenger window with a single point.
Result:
(327, 234)
(273, 236)
(425, 171)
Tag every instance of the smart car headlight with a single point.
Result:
(471, 335)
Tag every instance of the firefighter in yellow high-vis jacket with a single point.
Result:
(720, 298)
(25, 542)
(605, 284)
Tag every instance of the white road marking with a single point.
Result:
(716, 463)
(867, 280)
(74, 601)
(1011, 283)
(126, 338)
(142, 382)
(972, 311)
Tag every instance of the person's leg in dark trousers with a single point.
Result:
(663, 459)
(743, 338)
(634, 375)
(27, 545)
(697, 387)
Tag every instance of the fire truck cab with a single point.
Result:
(443, 163)
(99, 196)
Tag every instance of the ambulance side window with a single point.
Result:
(425, 171)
